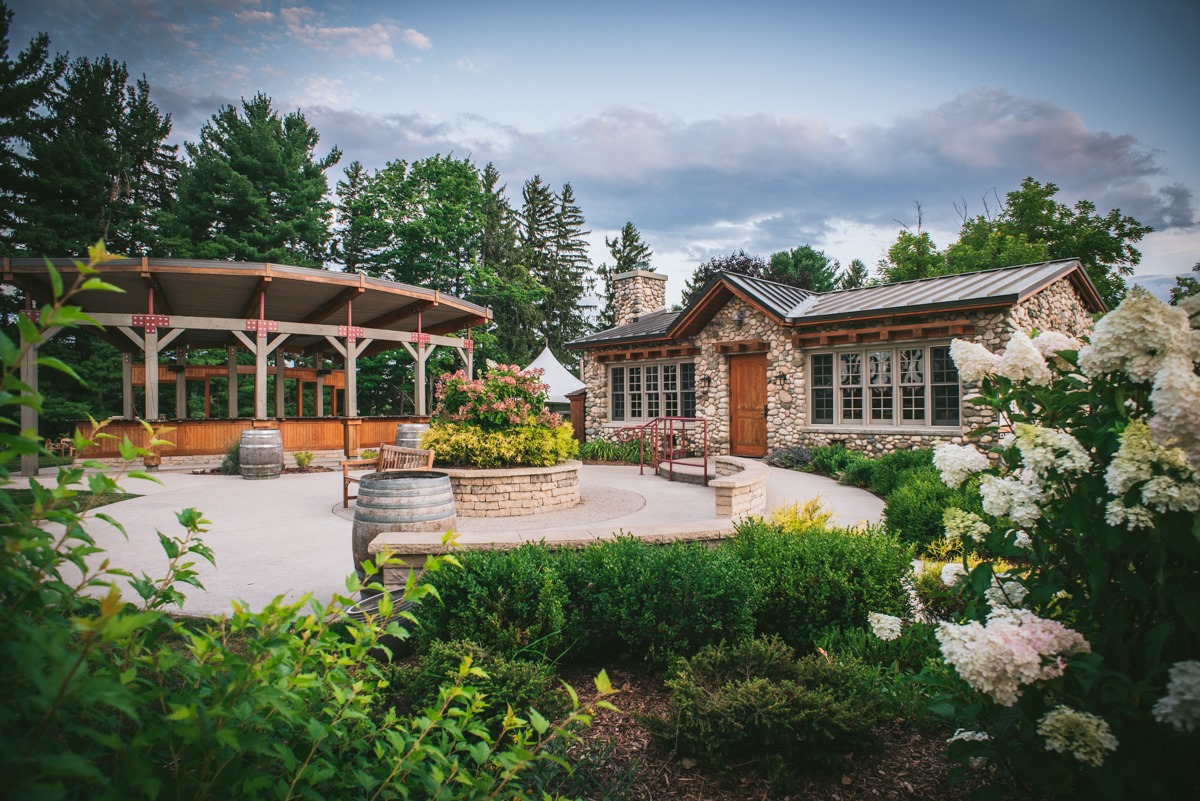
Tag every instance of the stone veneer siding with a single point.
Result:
(637, 292)
(509, 492)
(1058, 307)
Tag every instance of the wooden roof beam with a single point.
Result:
(396, 315)
(339, 301)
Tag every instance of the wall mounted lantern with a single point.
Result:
(780, 379)
(739, 318)
(705, 381)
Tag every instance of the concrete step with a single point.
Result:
(690, 474)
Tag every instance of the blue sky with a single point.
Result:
(711, 126)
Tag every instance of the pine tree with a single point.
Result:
(629, 252)
(104, 169)
(855, 276)
(360, 232)
(805, 267)
(536, 232)
(254, 189)
(570, 280)
(26, 86)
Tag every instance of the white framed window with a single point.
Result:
(907, 385)
(641, 392)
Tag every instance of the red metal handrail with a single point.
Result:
(670, 440)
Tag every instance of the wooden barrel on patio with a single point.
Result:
(408, 435)
(400, 500)
(261, 454)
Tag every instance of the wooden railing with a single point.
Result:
(212, 437)
(673, 441)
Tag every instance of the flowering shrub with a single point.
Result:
(1078, 668)
(503, 397)
(497, 420)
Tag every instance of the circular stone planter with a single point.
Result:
(514, 491)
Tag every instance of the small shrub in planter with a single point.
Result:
(823, 579)
(231, 465)
(522, 684)
(653, 600)
(368, 453)
(508, 602)
(755, 703)
(304, 459)
(530, 446)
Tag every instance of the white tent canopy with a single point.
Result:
(559, 379)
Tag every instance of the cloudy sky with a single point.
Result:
(712, 126)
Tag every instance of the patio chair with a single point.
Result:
(391, 457)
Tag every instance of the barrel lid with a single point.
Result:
(391, 475)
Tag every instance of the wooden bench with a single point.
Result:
(391, 457)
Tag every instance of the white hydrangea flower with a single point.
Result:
(1005, 593)
(1168, 480)
(974, 362)
(1081, 734)
(1046, 449)
(958, 462)
(1013, 649)
(1132, 517)
(1021, 539)
(1050, 343)
(1012, 498)
(1180, 707)
(885, 627)
(1023, 362)
(969, 736)
(1137, 337)
(1176, 401)
(963, 526)
(952, 572)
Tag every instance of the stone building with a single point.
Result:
(772, 366)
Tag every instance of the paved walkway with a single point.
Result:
(290, 536)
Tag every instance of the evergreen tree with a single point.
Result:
(805, 267)
(740, 263)
(26, 86)
(103, 169)
(536, 232)
(855, 276)
(569, 281)
(360, 231)
(629, 252)
(254, 189)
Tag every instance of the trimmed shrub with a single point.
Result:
(508, 602)
(520, 683)
(797, 519)
(754, 703)
(796, 458)
(833, 460)
(660, 601)
(459, 445)
(304, 459)
(858, 474)
(821, 580)
(895, 468)
(915, 508)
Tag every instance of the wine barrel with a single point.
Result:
(408, 435)
(261, 454)
(400, 500)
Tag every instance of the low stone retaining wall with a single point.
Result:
(741, 487)
(514, 491)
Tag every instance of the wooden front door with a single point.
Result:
(748, 404)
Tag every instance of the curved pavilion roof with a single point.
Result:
(194, 288)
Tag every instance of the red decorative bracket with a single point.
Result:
(151, 322)
(419, 338)
(263, 327)
(350, 331)
(469, 344)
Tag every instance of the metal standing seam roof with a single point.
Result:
(1000, 286)
(647, 325)
(779, 299)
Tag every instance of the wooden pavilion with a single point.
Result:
(169, 306)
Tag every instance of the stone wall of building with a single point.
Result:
(637, 292)
(1057, 307)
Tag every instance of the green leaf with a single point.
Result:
(539, 723)
(56, 283)
(62, 367)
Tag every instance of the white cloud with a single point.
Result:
(468, 65)
(417, 39)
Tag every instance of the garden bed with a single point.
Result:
(514, 491)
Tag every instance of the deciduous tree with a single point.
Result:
(741, 263)
(805, 267)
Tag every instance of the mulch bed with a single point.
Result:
(908, 765)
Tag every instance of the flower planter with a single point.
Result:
(514, 491)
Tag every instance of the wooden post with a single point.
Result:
(207, 398)
(29, 415)
(231, 364)
(126, 385)
(260, 377)
(280, 368)
(423, 352)
(319, 392)
(181, 384)
(299, 397)
(151, 410)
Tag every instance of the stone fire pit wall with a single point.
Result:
(513, 491)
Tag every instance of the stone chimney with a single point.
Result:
(637, 293)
